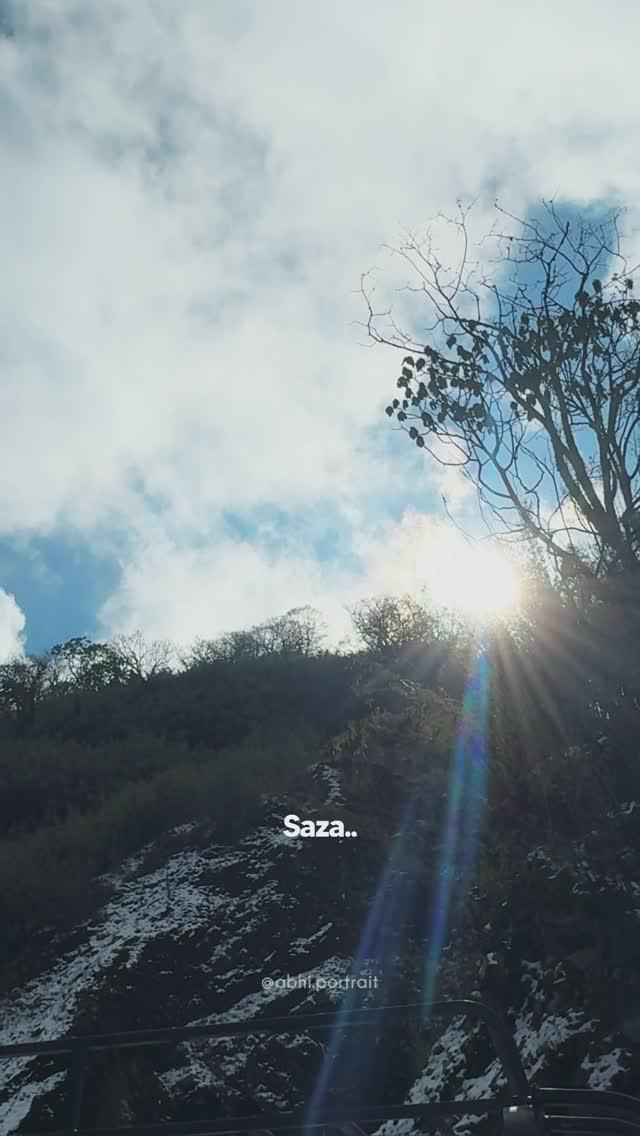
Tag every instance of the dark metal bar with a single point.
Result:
(79, 1062)
(286, 1122)
(588, 1111)
(79, 1048)
(591, 1125)
(586, 1125)
(287, 1024)
(604, 1101)
(560, 1111)
(507, 1051)
(608, 1098)
(521, 1120)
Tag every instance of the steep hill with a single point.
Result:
(185, 926)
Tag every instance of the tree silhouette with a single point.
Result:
(530, 382)
(24, 683)
(138, 659)
(299, 631)
(389, 622)
(79, 664)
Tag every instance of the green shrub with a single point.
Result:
(48, 877)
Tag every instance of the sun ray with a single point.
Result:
(472, 578)
(465, 803)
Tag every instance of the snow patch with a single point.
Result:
(603, 1069)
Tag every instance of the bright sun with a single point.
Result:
(473, 579)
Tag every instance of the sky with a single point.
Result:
(192, 427)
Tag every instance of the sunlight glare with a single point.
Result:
(474, 579)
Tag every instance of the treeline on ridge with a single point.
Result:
(105, 746)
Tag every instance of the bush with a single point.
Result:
(48, 878)
(46, 780)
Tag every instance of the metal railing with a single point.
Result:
(523, 1110)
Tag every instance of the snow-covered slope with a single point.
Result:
(193, 928)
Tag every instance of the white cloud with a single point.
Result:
(190, 195)
(179, 593)
(12, 625)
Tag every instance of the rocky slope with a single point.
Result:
(192, 927)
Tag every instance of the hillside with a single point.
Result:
(319, 569)
(147, 881)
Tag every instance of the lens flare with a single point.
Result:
(379, 945)
(381, 939)
(466, 797)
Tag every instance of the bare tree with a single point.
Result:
(139, 659)
(386, 622)
(299, 632)
(233, 645)
(530, 383)
(24, 683)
